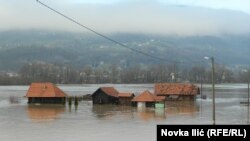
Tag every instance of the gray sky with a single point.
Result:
(181, 17)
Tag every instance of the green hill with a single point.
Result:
(78, 49)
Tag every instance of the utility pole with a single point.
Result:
(248, 74)
(174, 74)
(248, 87)
(213, 85)
(213, 78)
(201, 84)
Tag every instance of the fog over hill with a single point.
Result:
(79, 49)
(180, 17)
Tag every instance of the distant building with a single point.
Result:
(105, 95)
(125, 98)
(177, 91)
(12, 74)
(45, 93)
(147, 99)
(9, 74)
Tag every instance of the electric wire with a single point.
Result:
(108, 38)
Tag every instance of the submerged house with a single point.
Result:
(177, 91)
(146, 99)
(125, 98)
(45, 93)
(105, 95)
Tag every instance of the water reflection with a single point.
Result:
(182, 107)
(70, 107)
(147, 114)
(44, 112)
(160, 113)
(14, 100)
(248, 115)
(107, 111)
(172, 108)
(121, 123)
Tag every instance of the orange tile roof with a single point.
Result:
(147, 96)
(176, 89)
(110, 91)
(160, 98)
(44, 90)
(126, 95)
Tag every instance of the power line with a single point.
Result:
(106, 37)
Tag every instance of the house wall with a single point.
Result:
(143, 104)
(125, 100)
(150, 104)
(180, 97)
(99, 97)
(160, 105)
(47, 100)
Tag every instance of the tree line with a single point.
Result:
(66, 74)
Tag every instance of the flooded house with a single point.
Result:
(177, 91)
(105, 95)
(46, 93)
(125, 98)
(146, 99)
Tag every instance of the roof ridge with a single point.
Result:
(45, 89)
(54, 89)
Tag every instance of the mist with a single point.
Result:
(150, 17)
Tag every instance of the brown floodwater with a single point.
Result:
(22, 122)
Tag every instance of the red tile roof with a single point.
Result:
(176, 89)
(126, 95)
(147, 96)
(44, 90)
(160, 98)
(110, 91)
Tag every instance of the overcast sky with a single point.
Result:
(181, 17)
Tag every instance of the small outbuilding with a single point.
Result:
(146, 99)
(105, 95)
(125, 98)
(45, 93)
(177, 91)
